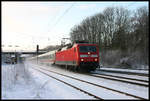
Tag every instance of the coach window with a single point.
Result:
(74, 49)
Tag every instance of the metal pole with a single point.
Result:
(37, 51)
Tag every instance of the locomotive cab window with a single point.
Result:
(87, 48)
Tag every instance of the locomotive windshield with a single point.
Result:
(87, 48)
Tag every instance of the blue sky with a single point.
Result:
(29, 23)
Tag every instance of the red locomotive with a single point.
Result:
(79, 56)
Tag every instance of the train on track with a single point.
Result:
(77, 56)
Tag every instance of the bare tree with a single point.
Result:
(116, 29)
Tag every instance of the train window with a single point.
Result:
(74, 49)
(87, 48)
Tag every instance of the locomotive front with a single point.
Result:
(88, 56)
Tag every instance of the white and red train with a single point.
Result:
(79, 56)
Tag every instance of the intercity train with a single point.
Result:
(77, 56)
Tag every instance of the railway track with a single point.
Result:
(121, 79)
(90, 94)
(138, 82)
(100, 86)
(125, 72)
(115, 67)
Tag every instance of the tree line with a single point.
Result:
(117, 31)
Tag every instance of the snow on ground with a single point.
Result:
(22, 82)
(101, 92)
(125, 87)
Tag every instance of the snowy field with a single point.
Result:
(22, 82)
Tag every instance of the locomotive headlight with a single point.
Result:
(82, 59)
(96, 59)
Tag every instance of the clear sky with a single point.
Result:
(29, 23)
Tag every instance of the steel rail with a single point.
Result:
(124, 72)
(124, 81)
(70, 85)
(123, 77)
(97, 85)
